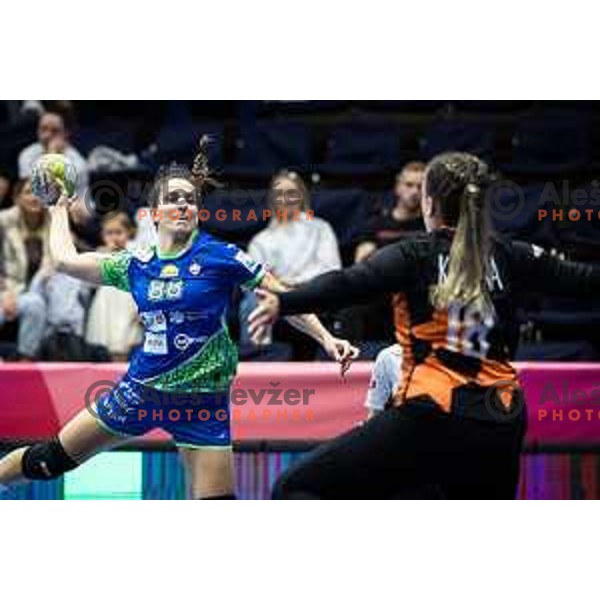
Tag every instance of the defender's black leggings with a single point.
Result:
(415, 451)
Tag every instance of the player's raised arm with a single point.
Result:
(64, 255)
(392, 269)
(340, 350)
(540, 271)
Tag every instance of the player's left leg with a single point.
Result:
(79, 439)
(201, 430)
(210, 472)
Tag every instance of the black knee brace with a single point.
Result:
(46, 461)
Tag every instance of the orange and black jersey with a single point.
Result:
(458, 346)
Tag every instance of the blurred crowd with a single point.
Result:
(45, 315)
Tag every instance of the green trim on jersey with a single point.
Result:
(178, 253)
(114, 270)
(255, 281)
(209, 371)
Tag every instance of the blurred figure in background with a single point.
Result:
(53, 137)
(85, 226)
(26, 261)
(113, 321)
(372, 323)
(296, 246)
(385, 380)
(392, 223)
(50, 307)
(5, 199)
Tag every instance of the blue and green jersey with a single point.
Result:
(183, 300)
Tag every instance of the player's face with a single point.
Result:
(286, 195)
(178, 207)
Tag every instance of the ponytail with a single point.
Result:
(464, 180)
(200, 174)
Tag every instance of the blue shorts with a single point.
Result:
(192, 419)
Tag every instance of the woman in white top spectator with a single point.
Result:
(296, 245)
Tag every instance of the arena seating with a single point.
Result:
(550, 142)
(177, 143)
(349, 151)
(264, 147)
(458, 134)
(363, 148)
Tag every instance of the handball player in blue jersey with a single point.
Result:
(179, 379)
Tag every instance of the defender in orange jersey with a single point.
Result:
(458, 421)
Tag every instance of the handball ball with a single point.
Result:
(53, 175)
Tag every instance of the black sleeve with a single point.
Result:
(536, 270)
(392, 269)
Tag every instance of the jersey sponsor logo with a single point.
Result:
(155, 343)
(158, 289)
(182, 341)
(195, 268)
(245, 260)
(196, 315)
(154, 320)
(169, 270)
(177, 317)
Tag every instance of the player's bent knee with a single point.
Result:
(46, 461)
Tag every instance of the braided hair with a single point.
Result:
(199, 175)
(458, 183)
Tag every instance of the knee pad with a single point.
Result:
(46, 461)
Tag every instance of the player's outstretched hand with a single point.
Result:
(266, 313)
(342, 351)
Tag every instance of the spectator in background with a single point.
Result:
(391, 224)
(5, 199)
(53, 137)
(373, 323)
(26, 260)
(85, 226)
(296, 250)
(113, 321)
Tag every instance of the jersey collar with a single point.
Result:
(179, 253)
